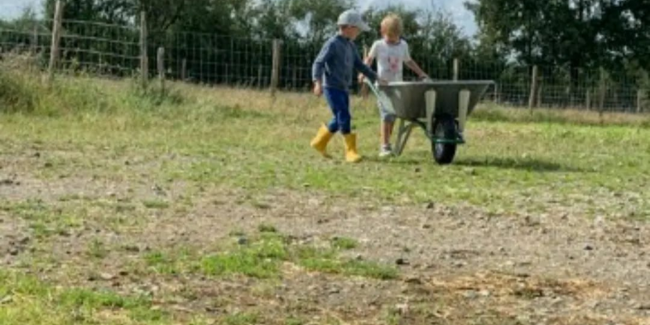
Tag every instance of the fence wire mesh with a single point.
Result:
(112, 50)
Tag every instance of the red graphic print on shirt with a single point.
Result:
(393, 62)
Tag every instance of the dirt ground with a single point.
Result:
(458, 265)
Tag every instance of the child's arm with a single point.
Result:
(416, 68)
(318, 67)
(408, 60)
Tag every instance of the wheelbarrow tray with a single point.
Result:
(440, 108)
(408, 98)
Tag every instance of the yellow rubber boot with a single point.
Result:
(351, 154)
(321, 140)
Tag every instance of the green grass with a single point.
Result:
(91, 132)
(393, 317)
(344, 243)
(325, 261)
(294, 321)
(241, 319)
(160, 263)
(29, 301)
(233, 139)
(69, 216)
(97, 249)
(155, 204)
(262, 259)
(46, 221)
(267, 228)
(170, 263)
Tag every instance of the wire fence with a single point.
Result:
(116, 51)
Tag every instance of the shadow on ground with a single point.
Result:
(530, 164)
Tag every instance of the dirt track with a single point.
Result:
(458, 265)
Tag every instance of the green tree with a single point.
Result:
(573, 33)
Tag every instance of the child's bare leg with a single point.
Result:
(390, 126)
(387, 121)
(386, 130)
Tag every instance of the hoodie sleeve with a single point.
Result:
(319, 64)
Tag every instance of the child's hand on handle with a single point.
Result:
(425, 78)
(383, 82)
(318, 88)
(361, 78)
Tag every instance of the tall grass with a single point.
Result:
(489, 112)
(24, 90)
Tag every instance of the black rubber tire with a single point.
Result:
(444, 127)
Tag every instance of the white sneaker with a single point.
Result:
(385, 152)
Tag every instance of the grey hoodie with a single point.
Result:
(336, 63)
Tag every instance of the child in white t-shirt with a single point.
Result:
(391, 53)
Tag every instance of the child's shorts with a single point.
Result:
(387, 115)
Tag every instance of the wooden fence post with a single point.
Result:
(56, 39)
(456, 69)
(364, 87)
(602, 92)
(161, 67)
(144, 56)
(496, 93)
(588, 100)
(533, 89)
(639, 101)
(184, 70)
(275, 72)
(35, 39)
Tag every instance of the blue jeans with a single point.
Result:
(339, 102)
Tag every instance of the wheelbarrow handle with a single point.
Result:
(381, 97)
(372, 86)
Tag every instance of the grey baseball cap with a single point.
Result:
(353, 18)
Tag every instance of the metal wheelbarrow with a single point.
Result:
(440, 108)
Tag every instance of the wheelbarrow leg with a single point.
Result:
(430, 99)
(403, 133)
(463, 106)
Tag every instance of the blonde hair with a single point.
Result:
(392, 25)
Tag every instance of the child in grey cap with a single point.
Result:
(332, 74)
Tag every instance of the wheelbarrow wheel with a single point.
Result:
(445, 128)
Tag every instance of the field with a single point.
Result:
(206, 206)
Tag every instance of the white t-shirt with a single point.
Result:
(390, 59)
